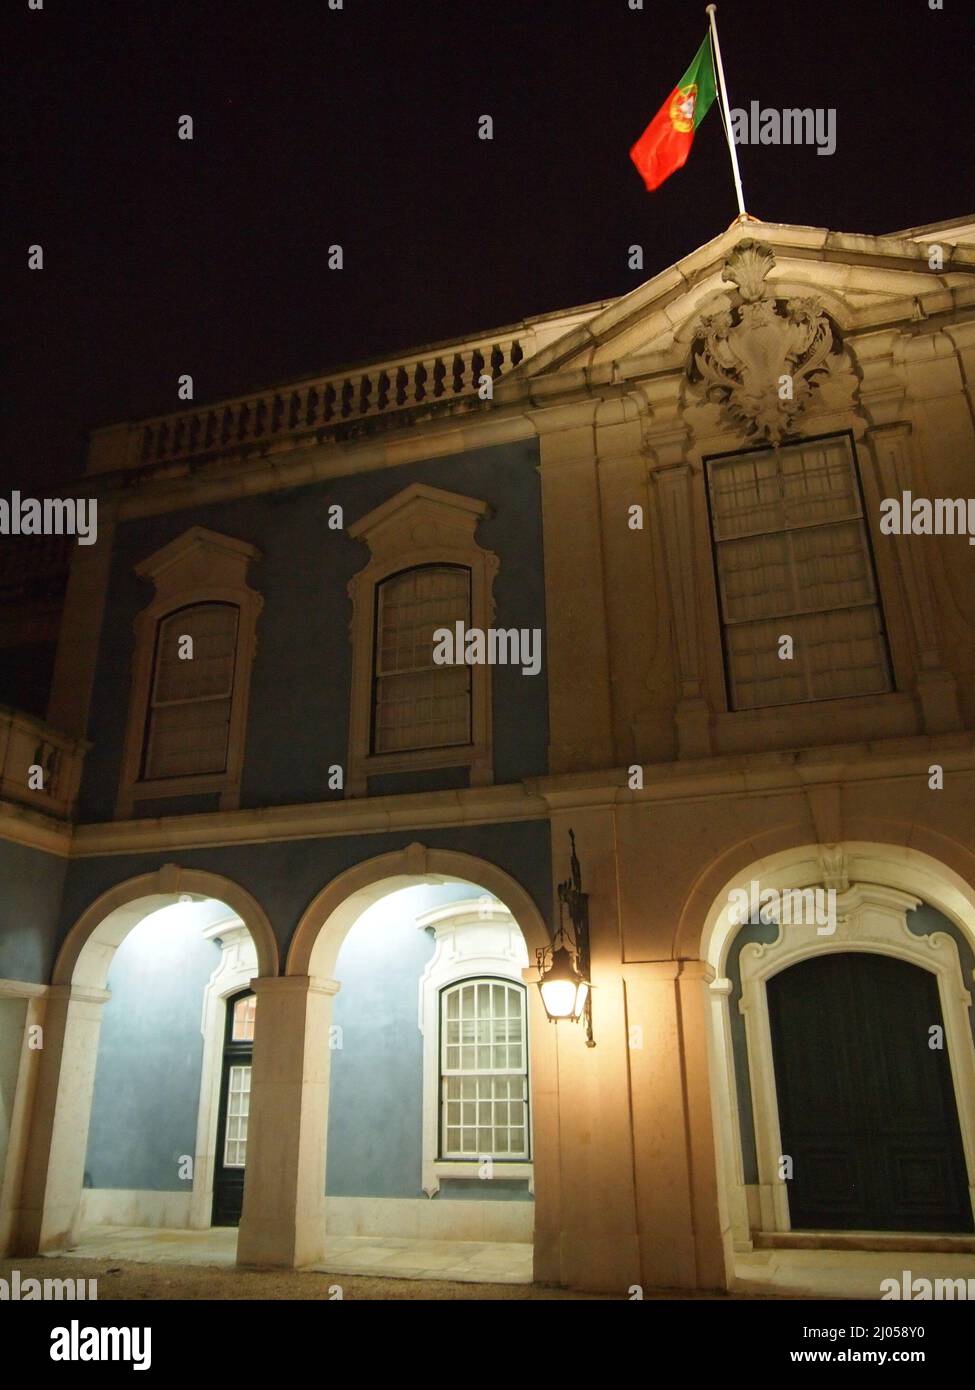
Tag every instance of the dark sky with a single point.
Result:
(359, 127)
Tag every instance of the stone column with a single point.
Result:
(693, 713)
(580, 717)
(585, 1220)
(55, 1169)
(681, 1236)
(283, 1220)
(883, 402)
(19, 1033)
(77, 651)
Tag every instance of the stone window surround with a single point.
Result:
(499, 951)
(870, 917)
(200, 566)
(710, 463)
(234, 971)
(420, 526)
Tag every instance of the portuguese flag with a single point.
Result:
(663, 147)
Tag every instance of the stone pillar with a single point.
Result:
(580, 718)
(937, 691)
(884, 404)
(674, 482)
(283, 1220)
(682, 1243)
(31, 1000)
(55, 1170)
(81, 620)
(585, 1220)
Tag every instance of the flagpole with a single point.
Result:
(711, 9)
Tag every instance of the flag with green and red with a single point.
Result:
(663, 147)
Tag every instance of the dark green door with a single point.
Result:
(235, 1093)
(866, 1108)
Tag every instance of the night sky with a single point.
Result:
(359, 127)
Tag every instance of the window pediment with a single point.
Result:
(198, 559)
(419, 522)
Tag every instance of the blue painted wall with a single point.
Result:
(375, 1126)
(286, 875)
(299, 697)
(31, 884)
(375, 1101)
(147, 1080)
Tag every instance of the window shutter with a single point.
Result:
(419, 704)
(792, 557)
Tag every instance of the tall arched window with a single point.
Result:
(426, 571)
(483, 1071)
(416, 703)
(194, 645)
(188, 720)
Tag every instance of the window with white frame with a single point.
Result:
(483, 1071)
(418, 704)
(188, 722)
(238, 1114)
(793, 558)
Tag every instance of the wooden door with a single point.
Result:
(866, 1107)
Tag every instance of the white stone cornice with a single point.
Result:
(20, 826)
(533, 799)
(22, 989)
(368, 816)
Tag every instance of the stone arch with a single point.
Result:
(897, 877)
(283, 1221)
(331, 913)
(87, 950)
(72, 1024)
(708, 935)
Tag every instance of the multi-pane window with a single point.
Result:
(244, 1015)
(238, 1111)
(192, 690)
(419, 704)
(483, 1071)
(793, 559)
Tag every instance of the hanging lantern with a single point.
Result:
(563, 967)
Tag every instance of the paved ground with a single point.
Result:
(138, 1263)
(456, 1261)
(842, 1274)
(128, 1280)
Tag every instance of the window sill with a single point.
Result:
(517, 1170)
(422, 760)
(167, 787)
(848, 719)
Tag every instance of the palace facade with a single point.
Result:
(273, 879)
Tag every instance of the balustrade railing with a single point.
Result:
(380, 389)
(39, 767)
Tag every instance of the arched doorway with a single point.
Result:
(880, 891)
(233, 1115)
(866, 1104)
(62, 1120)
(297, 1051)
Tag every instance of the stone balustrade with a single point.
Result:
(28, 744)
(382, 388)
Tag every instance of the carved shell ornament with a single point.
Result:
(761, 357)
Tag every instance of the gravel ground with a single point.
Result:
(126, 1280)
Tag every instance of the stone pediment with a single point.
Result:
(858, 281)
